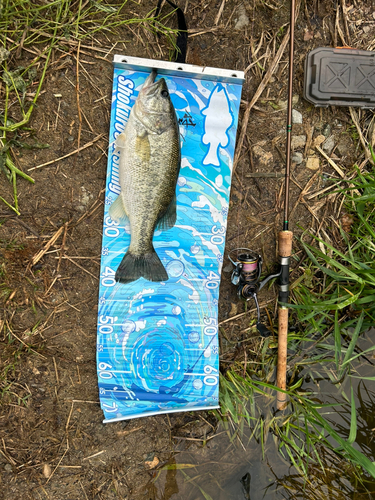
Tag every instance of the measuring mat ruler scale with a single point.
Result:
(171, 147)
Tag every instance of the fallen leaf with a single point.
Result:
(47, 471)
(308, 35)
(152, 464)
(319, 140)
(233, 310)
(346, 222)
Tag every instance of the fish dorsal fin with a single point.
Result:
(117, 210)
(168, 220)
(142, 147)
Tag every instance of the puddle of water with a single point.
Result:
(225, 469)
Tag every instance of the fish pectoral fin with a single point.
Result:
(168, 220)
(143, 148)
(121, 140)
(117, 210)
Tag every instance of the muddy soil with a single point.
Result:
(53, 444)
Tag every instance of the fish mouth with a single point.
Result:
(150, 80)
(150, 87)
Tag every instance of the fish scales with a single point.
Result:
(149, 187)
(149, 166)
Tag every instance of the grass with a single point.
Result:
(11, 392)
(23, 302)
(333, 308)
(12, 353)
(37, 29)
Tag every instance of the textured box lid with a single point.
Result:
(340, 77)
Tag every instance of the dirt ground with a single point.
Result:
(53, 444)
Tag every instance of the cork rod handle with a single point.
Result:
(285, 251)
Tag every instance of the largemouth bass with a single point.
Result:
(149, 165)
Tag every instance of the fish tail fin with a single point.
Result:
(133, 267)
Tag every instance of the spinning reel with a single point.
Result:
(246, 276)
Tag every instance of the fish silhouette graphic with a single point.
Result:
(218, 120)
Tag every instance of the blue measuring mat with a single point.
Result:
(157, 342)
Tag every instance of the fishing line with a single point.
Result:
(182, 36)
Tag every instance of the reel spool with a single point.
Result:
(246, 274)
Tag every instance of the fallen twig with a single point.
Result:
(277, 175)
(62, 246)
(345, 17)
(331, 162)
(54, 470)
(94, 455)
(26, 345)
(78, 106)
(87, 145)
(49, 243)
(304, 192)
(258, 93)
(354, 116)
(83, 269)
(336, 167)
(273, 66)
(217, 18)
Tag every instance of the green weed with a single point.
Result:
(39, 29)
(333, 304)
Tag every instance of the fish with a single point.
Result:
(149, 165)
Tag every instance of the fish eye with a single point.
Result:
(164, 93)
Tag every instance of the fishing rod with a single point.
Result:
(248, 264)
(285, 238)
